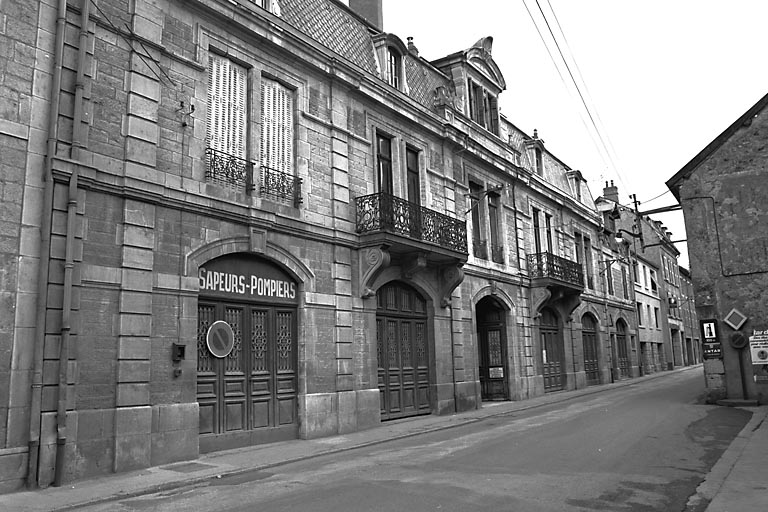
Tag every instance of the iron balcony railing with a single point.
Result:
(547, 265)
(280, 186)
(228, 170)
(237, 173)
(385, 212)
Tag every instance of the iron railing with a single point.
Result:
(228, 170)
(385, 212)
(280, 186)
(237, 173)
(547, 265)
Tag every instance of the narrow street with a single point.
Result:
(644, 447)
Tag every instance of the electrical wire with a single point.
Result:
(603, 145)
(584, 83)
(562, 79)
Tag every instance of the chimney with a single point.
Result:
(612, 192)
(370, 10)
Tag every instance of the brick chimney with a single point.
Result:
(370, 10)
(611, 192)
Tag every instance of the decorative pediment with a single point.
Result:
(479, 57)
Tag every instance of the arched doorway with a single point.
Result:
(403, 357)
(552, 351)
(247, 392)
(491, 335)
(622, 350)
(589, 340)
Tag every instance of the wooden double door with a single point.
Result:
(249, 396)
(552, 351)
(591, 355)
(402, 352)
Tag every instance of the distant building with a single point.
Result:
(651, 250)
(723, 192)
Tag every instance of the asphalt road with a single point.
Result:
(643, 447)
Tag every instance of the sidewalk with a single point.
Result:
(735, 481)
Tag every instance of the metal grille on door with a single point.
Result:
(255, 386)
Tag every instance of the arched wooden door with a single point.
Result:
(622, 350)
(589, 340)
(491, 334)
(403, 357)
(552, 351)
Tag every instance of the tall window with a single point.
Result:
(609, 276)
(589, 274)
(497, 250)
(412, 170)
(394, 66)
(539, 162)
(479, 245)
(384, 163)
(536, 230)
(548, 223)
(624, 286)
(639, 313)
(226, 120)
(276, 126)
(483, 107)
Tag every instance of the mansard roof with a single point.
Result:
(334, 27)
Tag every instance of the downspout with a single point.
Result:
(35, 416)
(69, 264)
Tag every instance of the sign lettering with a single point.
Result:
(238, 284)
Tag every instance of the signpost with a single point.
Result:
(711, 342)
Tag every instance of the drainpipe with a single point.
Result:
(66, 327)
(45, 245)
(69, 264)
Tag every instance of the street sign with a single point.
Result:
(220, 339)
(758, 347)
(710, 339)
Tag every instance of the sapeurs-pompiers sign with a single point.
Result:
(243, 277)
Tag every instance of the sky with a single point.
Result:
(661, 78)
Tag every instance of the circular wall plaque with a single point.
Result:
(220, 339)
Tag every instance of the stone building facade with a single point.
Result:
(722, 191)
(235, 222)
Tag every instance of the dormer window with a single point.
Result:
(483, 107)
(394, 68)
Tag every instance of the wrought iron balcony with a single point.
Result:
(237, 173)
(390, 214)
(555, 270)
(280, 186)
(228, 170)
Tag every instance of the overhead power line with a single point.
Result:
(605, 147)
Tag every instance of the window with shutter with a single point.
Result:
(276, 126)
(226, 122)
(277, 146)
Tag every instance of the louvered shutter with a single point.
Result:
(276, 126)
(226, 106)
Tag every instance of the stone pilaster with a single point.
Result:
(133, 415)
